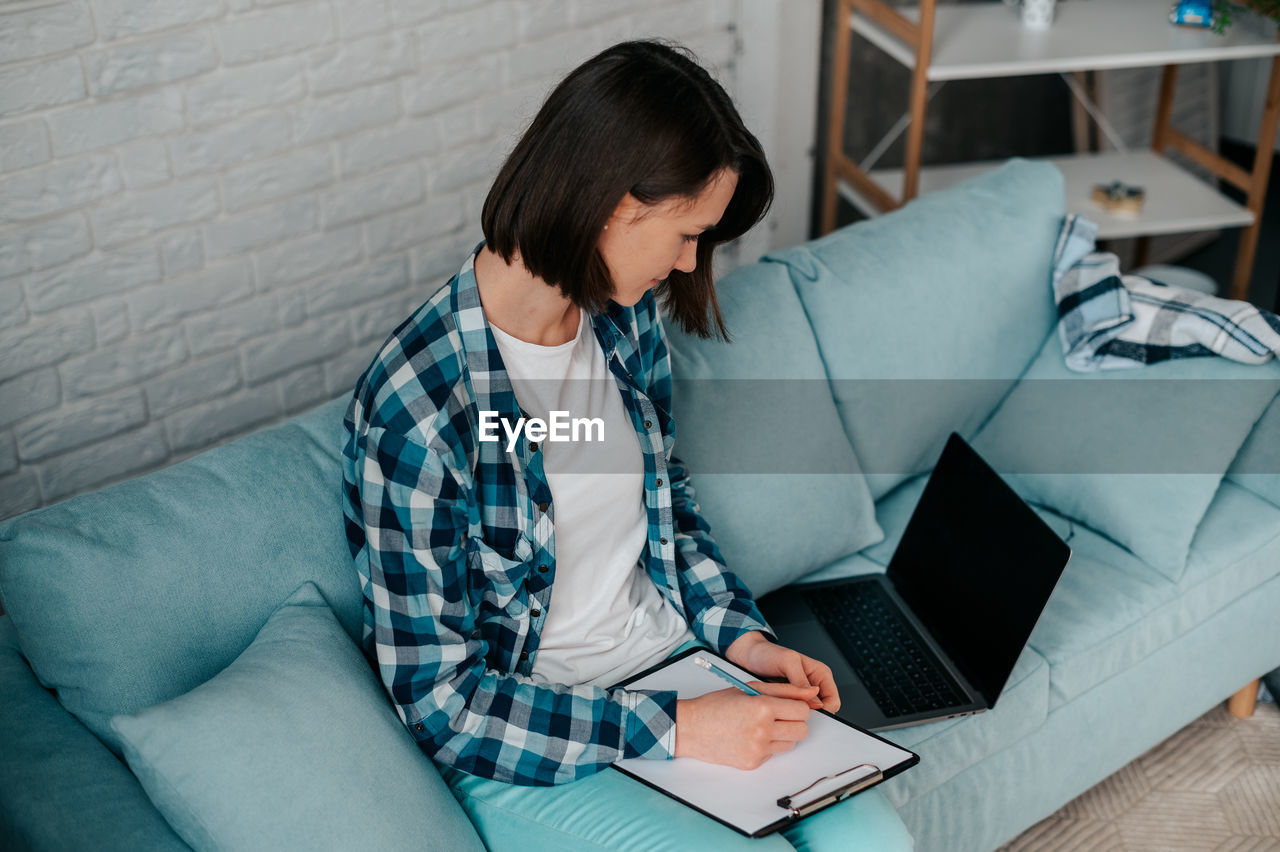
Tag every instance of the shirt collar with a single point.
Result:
(488, 376)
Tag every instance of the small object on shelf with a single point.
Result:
(1192, 13)
(1037, 14)
(1119, 197)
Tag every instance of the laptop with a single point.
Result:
(938, 633)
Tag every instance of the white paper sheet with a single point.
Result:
(749, 799)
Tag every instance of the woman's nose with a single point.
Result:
(688, 259)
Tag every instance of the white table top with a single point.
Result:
(973, 40)
(1176, 201)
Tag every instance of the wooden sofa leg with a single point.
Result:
(1242, 703)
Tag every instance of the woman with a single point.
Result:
(635, 168)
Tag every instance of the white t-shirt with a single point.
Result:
(606, 619)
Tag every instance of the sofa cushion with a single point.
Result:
(138, 593)
(60, 788)
(292, 746)
(1257, 466)
(1111, 611)
(1135, 454)
(773, 472)
(925, 317)
(953, 745)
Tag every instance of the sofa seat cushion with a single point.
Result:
(1110, 610)
(1135, 454)
(924, 317)
(60, 788)
(139, 593)
(951, 746)
(774, 474)
(292, 746)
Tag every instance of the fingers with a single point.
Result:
(792, 732)
(828, 694)
(793, 669)
(820, 675)
(807, 694)
(821, 695)
(787, 709)
(800, 671)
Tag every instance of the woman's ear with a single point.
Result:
(629, 211)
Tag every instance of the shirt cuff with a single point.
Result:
(651, 724)
(721, 626)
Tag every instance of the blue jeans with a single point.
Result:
(611, 811)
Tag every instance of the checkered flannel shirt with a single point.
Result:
(454, 542)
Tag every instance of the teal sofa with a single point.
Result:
(184, 643)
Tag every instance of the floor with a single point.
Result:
(1212, 787)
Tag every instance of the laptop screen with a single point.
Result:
(977, 566)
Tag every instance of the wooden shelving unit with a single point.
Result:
(975, 40)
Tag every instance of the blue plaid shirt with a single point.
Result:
(454, 543)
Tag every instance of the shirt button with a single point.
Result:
(536, 613)
(542, 569)
(662, 541)
(647, 424)
(524, 655)
(419, 727)
(659, 483)
(533, 446)
(542, 507)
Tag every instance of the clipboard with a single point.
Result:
(835, 761)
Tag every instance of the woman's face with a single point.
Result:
(643, 244)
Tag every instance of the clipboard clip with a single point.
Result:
(869, 776)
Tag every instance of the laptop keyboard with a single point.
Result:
(895, 665)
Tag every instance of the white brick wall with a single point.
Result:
(212, 212)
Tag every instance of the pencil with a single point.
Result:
(716, 670)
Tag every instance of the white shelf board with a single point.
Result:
(1176, 201)
(973, 40)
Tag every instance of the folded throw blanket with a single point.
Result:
(1111, 321)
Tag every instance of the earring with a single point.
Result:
(606, 227)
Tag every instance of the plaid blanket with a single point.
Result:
(1111, 321)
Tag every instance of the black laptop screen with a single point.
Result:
(977, 566)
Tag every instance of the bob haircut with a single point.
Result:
(640, 117)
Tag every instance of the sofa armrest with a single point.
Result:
(60, 787)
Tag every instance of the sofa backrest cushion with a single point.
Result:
(772, 470)
(138, 593)
(1137, 455)
(1257, 466)
(925, 316)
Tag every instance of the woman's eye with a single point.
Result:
(691, 238)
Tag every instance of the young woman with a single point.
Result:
(508, 580)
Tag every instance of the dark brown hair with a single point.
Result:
(640, 117)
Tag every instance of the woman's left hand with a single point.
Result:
(755, 653)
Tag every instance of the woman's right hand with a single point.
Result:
(733, 728)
